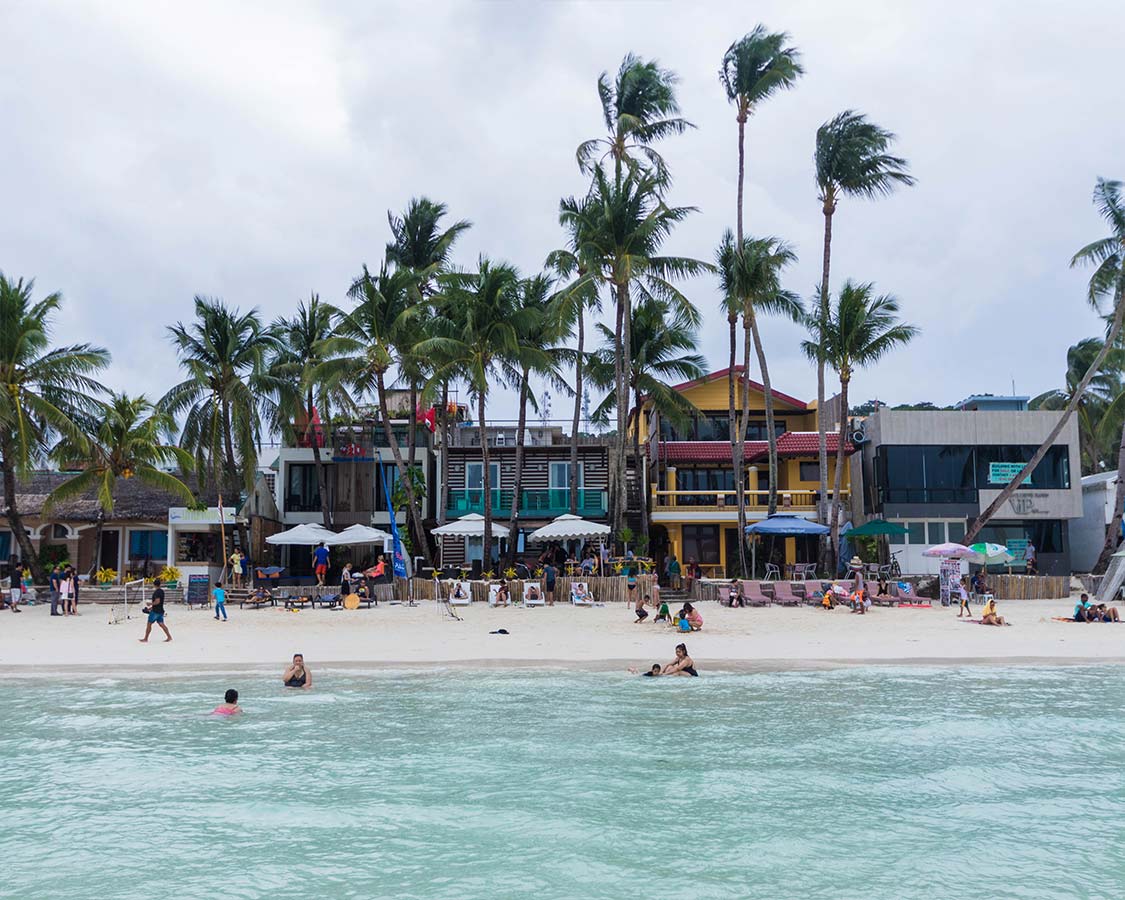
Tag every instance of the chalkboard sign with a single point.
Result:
(198, 590)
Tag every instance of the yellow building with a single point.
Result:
(693, 499)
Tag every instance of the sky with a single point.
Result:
(154, 151)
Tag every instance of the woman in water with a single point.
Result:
(297, 676)
(682, 664)
(229, 706)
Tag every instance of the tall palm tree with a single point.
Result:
(302, 396)
(750, 279)
(478, 328)
(227, 389)
(420, 244)
(43, 390)
(1101, 411)
(861, 329)
(126, 439)
(540, 329)
(619, 230)
(754, 68)
(851, 161)
(639, 108)
(665, 352)
(362, 352)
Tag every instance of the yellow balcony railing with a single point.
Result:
(798, 501)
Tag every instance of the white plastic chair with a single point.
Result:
(773, 572)
(466, 589)
(580, 594)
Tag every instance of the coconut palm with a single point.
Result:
(126, 439)
(750, 280)
(639, 107)
(665, 352)
(43, 390)
(861, 329)
(302, 397)
(477, 337)
(619, 230)
(851, 161)
(1101, 410)
(754, 68)
(363, 351)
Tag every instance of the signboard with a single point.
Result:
(198, 589)
(1006, 472)
(208, 516)
(1018, 548)
(949, 578)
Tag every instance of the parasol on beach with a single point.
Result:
(989, 554)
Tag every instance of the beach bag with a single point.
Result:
(685, 625)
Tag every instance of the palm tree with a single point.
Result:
(665, 345)
(43, 390)
(861, 330)
(1108, 256)
(302, 397)
(639, 108)
(227, 390)
(754, 68)
(1100, 411)
(540, 330)
(478, 326)
(750, 279)
(421, 245)
(851, 161)
(618, 233)
(363, 350)
(126, 440)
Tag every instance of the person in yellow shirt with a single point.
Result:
(236, 568)
(988, 615)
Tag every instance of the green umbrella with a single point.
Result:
(877, 527)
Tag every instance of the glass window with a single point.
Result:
(390, 473)
(1052, 473)
(935, 532)
(756, 430)
(302, 493)
(560, 475)
(917, 533)
(148, 545)
(474, 475)
(896, 539)
(60, 532)
(809, 471)
(701, 543)
(957, 532)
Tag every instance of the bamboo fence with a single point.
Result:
(611, 589)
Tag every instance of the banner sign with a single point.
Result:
(1005, 472)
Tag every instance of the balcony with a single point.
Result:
(542, 504)
(727, 501)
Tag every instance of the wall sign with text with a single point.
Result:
(1005, 472)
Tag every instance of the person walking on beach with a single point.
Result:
(1031, 559)
(155, 611)
(320, 563)
(236, 569)
(220, 597)
(550, 574)
(346, 580)
(54, 583)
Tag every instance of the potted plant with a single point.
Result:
(170, 576)
(105, 577)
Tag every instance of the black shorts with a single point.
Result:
(642, 613)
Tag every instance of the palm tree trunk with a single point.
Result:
(412, 432)
(444, 498)
(741, 173)
(28, 556)
(845, 377)
(318, 462)
(739, 456)
(486, 483)
(771, 435)
(738, 430)
(517, 487)
(642, 496)
(237, 480)
(407, 483)
(1113, 531)
(577, 412)
(1072, 404)
(821, 423)
(624, 371)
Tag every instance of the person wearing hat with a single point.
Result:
(856, 565)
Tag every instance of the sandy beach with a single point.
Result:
(603, 637)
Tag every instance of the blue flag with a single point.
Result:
(399, 558)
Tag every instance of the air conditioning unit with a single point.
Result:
(858, 432)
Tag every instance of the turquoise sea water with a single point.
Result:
(868, 783)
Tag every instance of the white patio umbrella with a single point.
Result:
(360, 534)
(566, 528)
(306, 535)
(471, 525)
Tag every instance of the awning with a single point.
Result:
(567, 527)
(786, 524)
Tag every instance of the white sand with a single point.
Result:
(600, 637)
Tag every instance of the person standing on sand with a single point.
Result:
(155, 610)
(54, 583)
(236, 569)
(220, 597)
(1031, 559)
(550, 573)
(320, 563)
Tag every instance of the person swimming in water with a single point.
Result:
(682, 664)
(296, 675)
(229, 706)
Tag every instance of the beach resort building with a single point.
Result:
(1087, 534)
(689, 472)
(934, 471)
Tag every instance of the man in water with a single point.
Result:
(155, 610)
(320, 563)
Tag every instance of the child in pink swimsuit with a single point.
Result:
(229, 706)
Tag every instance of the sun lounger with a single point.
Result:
(580, 594)
(783, 594)
(753, 595)
(466, 591)
(256, 602)
(298, 602)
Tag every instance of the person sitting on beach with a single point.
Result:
(639, 608)
(229, 706)
(587, 564)
(682, 664)
(261, 594)
(989, 616)
(458, 594)
(694, 619)
(663, 614)
(503, 597)
(828, 601)
(979, 583)
(1083, 609)
(533, 592)
(1107, 613)
(296, 675)
(734, 594)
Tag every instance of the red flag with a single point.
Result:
(429, 417)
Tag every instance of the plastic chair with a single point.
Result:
(773, 572)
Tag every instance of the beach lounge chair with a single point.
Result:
(460, 594)
(754, 595)
(298, 602)
(256, 602)
(783, 594)
(533, 594)
(580, 594)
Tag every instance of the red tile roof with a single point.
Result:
(792, 443)
(803, 443)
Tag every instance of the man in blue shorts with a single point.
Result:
(155, 610)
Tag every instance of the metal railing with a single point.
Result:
(805, 501)
(547, 503)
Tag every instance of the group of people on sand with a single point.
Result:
(683, 664)
(296, 675)
(1085, 611)
(687, 619)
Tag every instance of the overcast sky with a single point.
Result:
(153, 151)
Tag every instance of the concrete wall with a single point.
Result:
(1087, 534)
